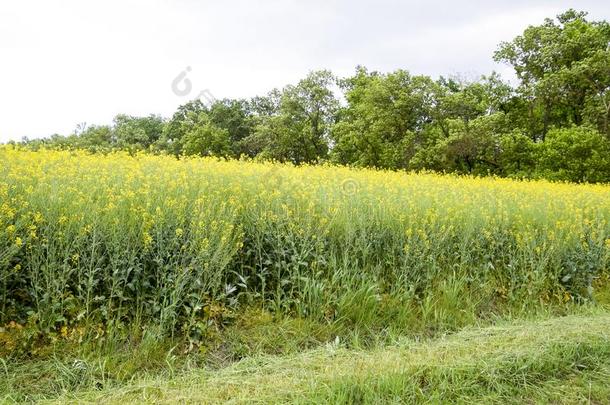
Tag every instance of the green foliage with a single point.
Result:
(235, 117)
(137, 133)
(293, 125)
(384, 112)
(203, 138)
(518, 156)
(575, 154)
(172, 139)
(563, 68)
(472, 146)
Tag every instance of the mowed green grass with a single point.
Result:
(561, 360)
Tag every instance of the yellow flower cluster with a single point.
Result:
(76, 188)
(85, 210)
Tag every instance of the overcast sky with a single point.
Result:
(67, 62)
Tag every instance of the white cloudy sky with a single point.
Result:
(68, 62)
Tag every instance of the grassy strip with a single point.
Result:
(562, 360)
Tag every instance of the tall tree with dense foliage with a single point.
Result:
(564, 72)
(137, 132)
(384, 113)
(172, 139)
(576, 154)
(294, 124)
(468, 122)
(235, 117)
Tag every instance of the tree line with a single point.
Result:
(553, 124)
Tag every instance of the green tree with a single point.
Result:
(203, 138)
(468, 122)
(294, 124)
(95, 138)
(137, 133)
(234, 116)
(577, 154)
(562, 66)
(183, 120)
(518, 155)
(472, 146)
(594, 74)
(383, 116)
(460, 99)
